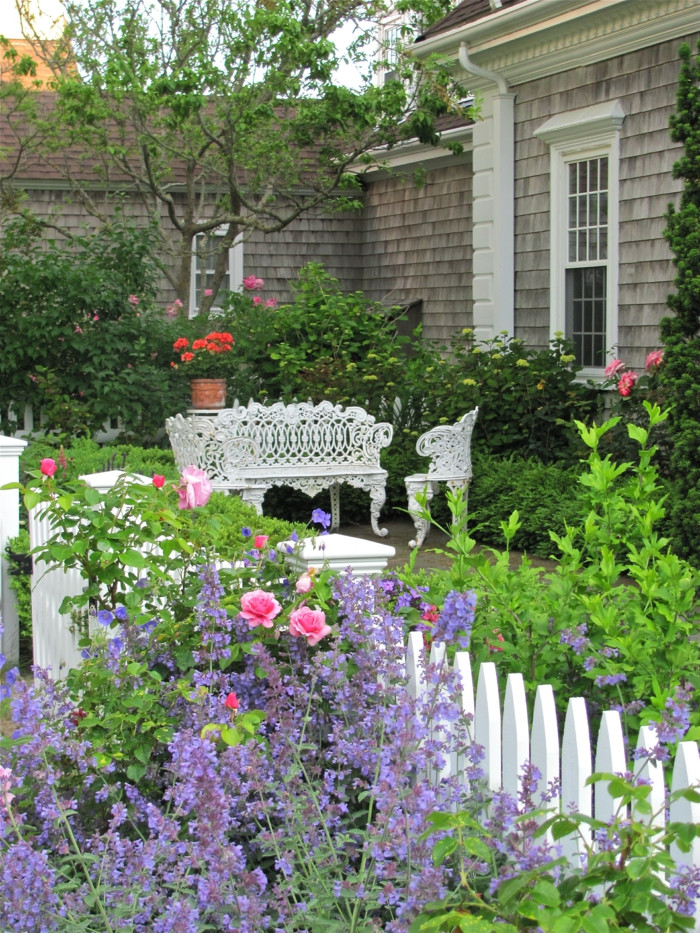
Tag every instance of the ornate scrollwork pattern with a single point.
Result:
(449, 449)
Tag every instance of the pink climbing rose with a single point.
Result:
(309, 623)
(259, 541)
(252, 284)
(626, 383)
(259, 608)
(48, 466)
(613, 368)
(194, 488)
(655, 358)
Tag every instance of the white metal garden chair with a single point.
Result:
(449, 449)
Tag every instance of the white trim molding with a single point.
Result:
(574, 137)
(539, 38)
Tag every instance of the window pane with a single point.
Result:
(586, 314)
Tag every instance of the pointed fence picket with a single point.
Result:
(509, 741)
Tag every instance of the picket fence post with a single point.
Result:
(509, 742)
(10, 451)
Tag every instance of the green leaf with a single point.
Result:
(135, 771)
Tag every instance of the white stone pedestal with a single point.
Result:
(339, 553)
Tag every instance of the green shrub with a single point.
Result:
(681, 333)
(527, 398)
(546, 496)
(82, 339)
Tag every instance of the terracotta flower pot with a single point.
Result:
(208, 393)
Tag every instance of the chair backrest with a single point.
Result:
(449, 448)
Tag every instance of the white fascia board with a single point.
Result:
(543, 37)
(409, 154)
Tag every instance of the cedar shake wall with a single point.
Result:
(645, 82)
(334, 240)
(417, 245)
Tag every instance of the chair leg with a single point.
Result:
(335, 506)
(377, 498)
(425, 489)
(254, 496)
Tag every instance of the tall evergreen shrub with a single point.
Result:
(681, 333)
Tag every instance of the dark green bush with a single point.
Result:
(82, 339)
(546, 496)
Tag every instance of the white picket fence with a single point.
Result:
(510, 739)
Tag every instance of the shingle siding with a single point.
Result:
(645, 82)
(417, 245)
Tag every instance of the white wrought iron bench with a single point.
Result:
(305, 446)
(449, 449)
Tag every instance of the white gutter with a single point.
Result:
(473, 69)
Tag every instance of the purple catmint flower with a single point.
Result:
(609, 680)
(456, 618)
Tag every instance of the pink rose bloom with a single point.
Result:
(48, 466)
(614, 367)
(259, 541)
(133, 300)
(655, 358)
(259, 608)
(257, 300)
(626, 383)
(309, 623)
(208, 293)
(78, 329)
(231, 701)
(271, 303)
(194, 489)
(304, 583)
(158, 480)
(252, 283)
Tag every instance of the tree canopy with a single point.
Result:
(226, 116)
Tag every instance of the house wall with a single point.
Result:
(645, 82)
(334, 239)
(417, 245)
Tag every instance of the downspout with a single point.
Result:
(473, 69)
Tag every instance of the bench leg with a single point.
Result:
(335, 506)
(424, 488)
(377, 498)
(254, 496)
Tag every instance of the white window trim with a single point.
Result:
(235, 269)
(576, 137)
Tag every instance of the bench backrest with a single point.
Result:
(449, 448)
(258, 436)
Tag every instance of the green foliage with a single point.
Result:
(614, 620)
(622, 884)
(16, 550)
(527, 398)
(75, 346)
(681, 333)
(546, 496)
(84, 455)
(326, 345)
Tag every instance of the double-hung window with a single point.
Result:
(584, 167)
(203, 264)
